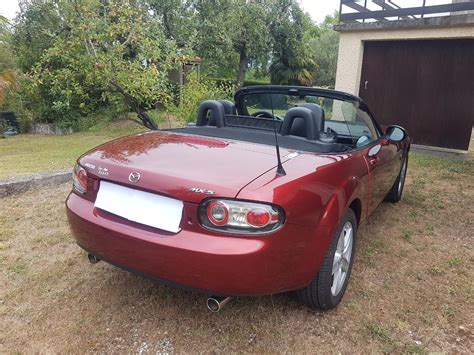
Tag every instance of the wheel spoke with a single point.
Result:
(344, 265)
(347, 240)
(340, 242)
(336, 279)
(337, 259)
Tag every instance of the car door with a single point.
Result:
(383, 168)
(380, 155)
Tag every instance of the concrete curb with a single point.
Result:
(25, 183)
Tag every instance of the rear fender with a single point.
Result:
(325, 230)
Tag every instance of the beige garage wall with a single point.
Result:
(351, 49)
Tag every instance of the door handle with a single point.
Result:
(374, 161)
(366, 84)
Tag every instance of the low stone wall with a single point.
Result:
(49, 128)
(25, 183)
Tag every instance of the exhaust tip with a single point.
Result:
(93, 259)
(213, 305)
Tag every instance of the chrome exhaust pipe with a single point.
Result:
(215, 304)
(93, 259)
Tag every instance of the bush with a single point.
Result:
(256, 82)
(15, 102)
(193, 93)
(232, 82)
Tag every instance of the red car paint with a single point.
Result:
(314, 194)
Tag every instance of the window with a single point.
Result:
(352, 125)
(347, 119)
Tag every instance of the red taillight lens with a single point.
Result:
(217, 213)
(240, 217)
(258, 217)
(79, 179)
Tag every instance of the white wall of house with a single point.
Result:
(351, 48)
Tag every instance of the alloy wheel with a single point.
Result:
(342, 258)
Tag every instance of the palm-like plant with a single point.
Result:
(297, 70)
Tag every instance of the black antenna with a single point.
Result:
(280, 170)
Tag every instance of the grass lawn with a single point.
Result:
(411, 290)
(27, 154)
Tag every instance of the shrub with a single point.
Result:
(193, 93)
(248, 82)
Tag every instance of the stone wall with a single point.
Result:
(48, 128)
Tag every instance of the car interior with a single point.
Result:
(303, 127)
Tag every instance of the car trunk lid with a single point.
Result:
(185, 167)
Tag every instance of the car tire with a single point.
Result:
(329, 284)
(395, 194)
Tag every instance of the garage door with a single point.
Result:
(424, 86)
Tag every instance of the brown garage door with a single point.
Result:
(425, 86)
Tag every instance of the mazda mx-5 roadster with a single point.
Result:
(259, 196)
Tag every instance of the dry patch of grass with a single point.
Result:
(411, 289)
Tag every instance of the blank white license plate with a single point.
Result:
(139, 206)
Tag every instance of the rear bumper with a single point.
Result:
(197, 259)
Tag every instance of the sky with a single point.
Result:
(318, 9)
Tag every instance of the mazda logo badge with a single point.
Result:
(134, 177)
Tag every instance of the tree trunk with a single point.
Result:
(143, 116)
(243, 64)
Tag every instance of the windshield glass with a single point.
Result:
(341, 116)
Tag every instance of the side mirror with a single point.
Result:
(395, 133)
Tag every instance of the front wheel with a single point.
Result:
(329, 284)
(395, 194)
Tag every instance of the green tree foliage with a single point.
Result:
(324, 45)
(196, 91)
(292, 62)
(233, 31)
(7, 60)
(177, 19)
(102, 51)
(35, 29)
(77, 57)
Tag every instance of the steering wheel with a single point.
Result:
(265, 114)
(262, 114)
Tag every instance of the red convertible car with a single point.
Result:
(260, 196)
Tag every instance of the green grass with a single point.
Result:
(449, 167)
(27, 154)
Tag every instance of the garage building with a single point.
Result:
(413, 66)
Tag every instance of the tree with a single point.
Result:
(102, 51)
(177, 19)
(233, 31)
(292, 61)
(324, 48)
(37, 25)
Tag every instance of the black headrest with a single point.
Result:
(302, 120)
(318, 115)
(216, 112)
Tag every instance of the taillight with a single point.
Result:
(217, 213)
(241, 217)
(79, 179)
